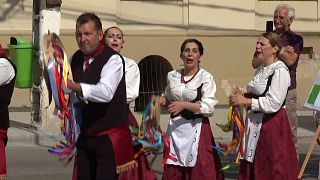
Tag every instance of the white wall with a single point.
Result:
(222, 14)
(164, 15)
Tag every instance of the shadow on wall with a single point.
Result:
(308, 67)
(153, 79)
(9, 7)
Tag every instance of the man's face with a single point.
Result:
(88, 37)
(281, 19)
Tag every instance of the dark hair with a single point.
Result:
(106, 31)
(274, 40)
(89, 16)
(185, 42)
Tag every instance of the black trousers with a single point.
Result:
(95, 158)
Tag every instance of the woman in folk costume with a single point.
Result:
(190, 98)
(7, 80)
(114, 39)
(269, 151)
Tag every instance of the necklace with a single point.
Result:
(182, 76)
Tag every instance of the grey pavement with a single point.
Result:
(22, 132)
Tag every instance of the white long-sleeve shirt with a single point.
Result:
(132, 79)
(104, 90)
(6, 70)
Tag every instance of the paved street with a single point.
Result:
(32, 161)
(28, 158)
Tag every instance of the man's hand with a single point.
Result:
(288, 55)
(288, 49)
(74, 87)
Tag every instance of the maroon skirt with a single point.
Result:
(208, 163)
(143, 171)
(3, 143)
(276, 156)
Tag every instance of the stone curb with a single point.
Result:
(25, 136)
(21, 133)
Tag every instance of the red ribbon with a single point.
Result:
(166, 153)
(94, 54)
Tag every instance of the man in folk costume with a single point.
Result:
(104, 147)
(7, 79)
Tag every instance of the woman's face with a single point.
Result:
(191, 55)
(114, 39)
(264, 51)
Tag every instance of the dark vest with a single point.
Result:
(6, 91)
(98, 117)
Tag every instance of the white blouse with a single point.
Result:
(6, 71)
(132, 74)
(277, 92)
(184, 134)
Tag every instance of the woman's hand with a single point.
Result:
(239, 99)
(239, 90)
(176, 107)
(162, 101)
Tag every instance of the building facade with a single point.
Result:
(227, 29)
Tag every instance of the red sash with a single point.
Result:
(122, 146)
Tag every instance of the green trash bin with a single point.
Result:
(20, 50)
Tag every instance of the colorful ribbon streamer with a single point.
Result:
(235, 147)
(58, 72)
(150, 134)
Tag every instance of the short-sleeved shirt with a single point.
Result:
(296, 41)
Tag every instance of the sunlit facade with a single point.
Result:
(227, 28)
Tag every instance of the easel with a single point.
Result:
(313, 142)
